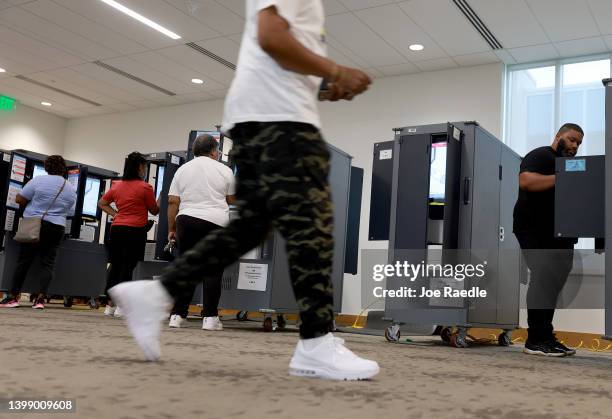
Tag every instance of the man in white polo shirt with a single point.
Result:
(283, 167)
(198, 203)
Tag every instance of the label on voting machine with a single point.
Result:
(253, 276)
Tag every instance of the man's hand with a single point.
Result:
(348, 83)
(172, 236)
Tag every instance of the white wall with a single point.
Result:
(105, 140)
(30, 129)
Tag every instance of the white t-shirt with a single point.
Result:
(203, 185)
(262, 91)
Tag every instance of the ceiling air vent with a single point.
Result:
(212, 55)
(478, 24)
(55, 89)
(134, 78)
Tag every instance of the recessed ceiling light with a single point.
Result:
(416, 47)
(197, 81)
(46, 104)
(141, 18)
(2, 70)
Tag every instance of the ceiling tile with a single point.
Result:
(58, 99)
(151, 75)
(176, 20)
(564, 20)
(501, 17)
(476, 59)
(393, 25)
(120, 23)
(363, 4)
(338, 57)
(333, 7)
(236, 6)
(94, 84)
(608, 41)
(123, 107)
(13, 67)
(341, 48)
(374, 73)
(445, 23)
(120, 82)
(505, 56)
(196, 97)
(196, 61)
(23, 47)
(534, 53)
(400, 69)
(354, 34)
(54, 35)
(163, 64)
(210, 13)
(439, 64)
(581, 47)
(223, 47)
(77, 24)
(51, 79)
(602, 11)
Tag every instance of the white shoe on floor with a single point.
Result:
(145, 305)
(327, 357)
(176, 321)
(109, 310)
(118, 313)
(212, 323)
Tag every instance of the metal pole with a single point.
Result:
(608, 181)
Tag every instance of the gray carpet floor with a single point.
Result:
(241, 372)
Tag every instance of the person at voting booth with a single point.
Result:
(134, 199)
(549, 258)
(48, 200)
(283, 167)
(198, 203)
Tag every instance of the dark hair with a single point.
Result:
(204, 145)
(131, 171)
(56, 166)
(571, 127)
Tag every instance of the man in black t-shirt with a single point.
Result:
(549, 259)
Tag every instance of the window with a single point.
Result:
(543, 97)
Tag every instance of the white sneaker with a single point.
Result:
(109, 310)
(175, 321)
(118, 313)
(145, 305)
(212, 323)
(330, 359)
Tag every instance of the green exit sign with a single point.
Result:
(7, 104)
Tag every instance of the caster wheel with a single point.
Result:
(242, 316)
(48, 300)
(504, 339)
(392, 333)
(281, 323)
(267, 324)
(445, 335)
(93, 304)
(458, 341)
(67, 302)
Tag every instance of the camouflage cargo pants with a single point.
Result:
(282, 181)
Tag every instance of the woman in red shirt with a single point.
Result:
(134, 200)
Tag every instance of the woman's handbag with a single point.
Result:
(28, 230)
